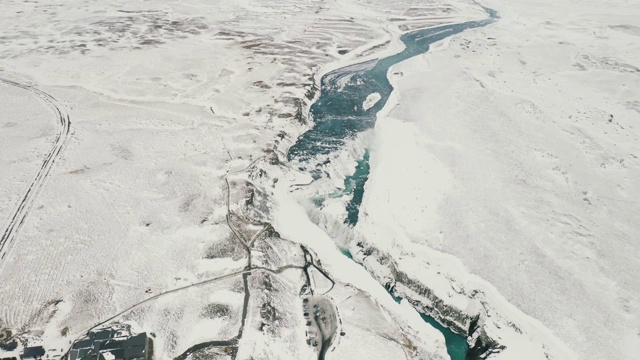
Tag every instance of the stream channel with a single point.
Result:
(339, 115)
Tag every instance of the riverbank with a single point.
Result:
(341, 113)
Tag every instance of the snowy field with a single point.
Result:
(503, 186)
(27, 132)
(515, 149)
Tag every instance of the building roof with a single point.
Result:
(101, 344)
(32, 352)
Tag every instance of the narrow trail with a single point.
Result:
(201, 283)
(17, 219)
(216, 343)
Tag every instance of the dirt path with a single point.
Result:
(11, 232)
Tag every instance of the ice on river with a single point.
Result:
(371, 100)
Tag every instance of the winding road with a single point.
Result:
(18, 217)
(231, 345)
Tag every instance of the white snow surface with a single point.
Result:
(27, 130)
(506, 159)
(513, 152)
(371, 100)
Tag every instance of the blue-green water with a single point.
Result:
(457, 346)
(339, 116)
(338, 113)
(354, 184)
(346, 253)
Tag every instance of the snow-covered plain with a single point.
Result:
(504, 175)
(514, 148)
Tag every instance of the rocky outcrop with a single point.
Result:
(423, 299)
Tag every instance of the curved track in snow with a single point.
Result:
(17, 218)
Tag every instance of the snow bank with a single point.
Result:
(513, 173)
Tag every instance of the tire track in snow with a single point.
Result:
(12, 229)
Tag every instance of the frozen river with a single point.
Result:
(345, 109)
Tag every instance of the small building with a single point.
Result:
(110, 344)
(33, 352)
